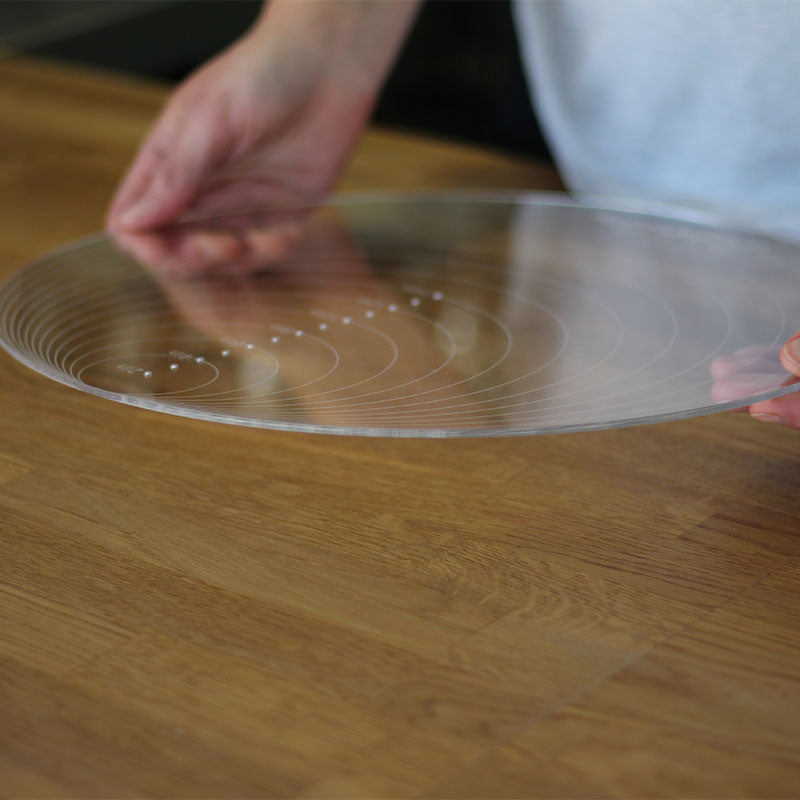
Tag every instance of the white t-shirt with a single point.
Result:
(687, 102)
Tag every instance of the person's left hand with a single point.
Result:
(268, 124)
(736, 374)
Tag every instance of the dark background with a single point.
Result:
(459, 74)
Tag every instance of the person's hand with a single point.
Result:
(231, 244)
(786, 409)
(739, 375)
(269, 123)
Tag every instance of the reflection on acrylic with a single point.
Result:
(416, 315)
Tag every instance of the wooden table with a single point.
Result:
(198, 610)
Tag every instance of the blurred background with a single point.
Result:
(459, 75)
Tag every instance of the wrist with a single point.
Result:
(349, 43)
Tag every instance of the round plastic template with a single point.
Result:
(416, 315)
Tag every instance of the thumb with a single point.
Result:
(790, 354)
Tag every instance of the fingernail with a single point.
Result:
(770, 418)
(792, 351)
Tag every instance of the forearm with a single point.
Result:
(352, 42)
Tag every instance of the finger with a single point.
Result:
(207, 251)
(150, 250)
(134, 184)
(234, 194)
(166, 175)
(755, 358)
(742, 386)
(790, 354)
(784, 410)
(182, 253)
(152, 152)
(165, 189)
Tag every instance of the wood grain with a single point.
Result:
(195, 610)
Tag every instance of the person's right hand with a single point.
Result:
(752, 370)
(270, 122)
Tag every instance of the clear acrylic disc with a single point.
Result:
(458, 314)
